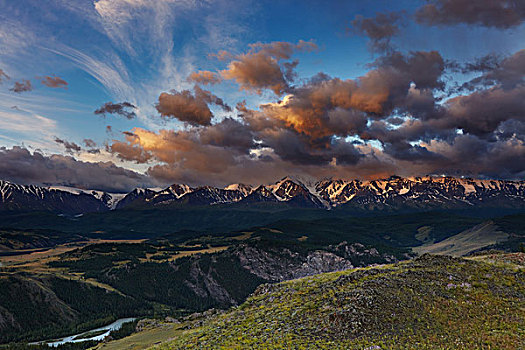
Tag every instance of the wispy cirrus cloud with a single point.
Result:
(3, 76)
(18, 125)
(111, 73)
(157, 18)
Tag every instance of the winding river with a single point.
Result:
(77, 338)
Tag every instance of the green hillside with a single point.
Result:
(428, 303)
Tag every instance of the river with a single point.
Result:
(71, 339)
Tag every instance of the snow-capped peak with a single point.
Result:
(393, 192)
(244, 189)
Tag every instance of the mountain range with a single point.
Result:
(394, 193)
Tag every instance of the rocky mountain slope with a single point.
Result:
(394, 193)
(56, 199)
(428, 303)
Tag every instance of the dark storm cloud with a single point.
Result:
(190, 108)
(501, 14)
(122, 109)
(228, 133)
(481, 112)
(482, 64)
(70, 147)
(507, 72)
(511, 129)
(54, 82)
(21, 166)
(468, 154)
(22, 86)
(298, 149)
(379, 29)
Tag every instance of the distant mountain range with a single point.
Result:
(394, 193)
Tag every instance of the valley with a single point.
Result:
(90, 282)
(166, 255)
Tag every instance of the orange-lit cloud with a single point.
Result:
(387, 121)
(260, 68)
(204, 77)
(54, 82)
(190, 108)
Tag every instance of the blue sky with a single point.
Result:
(133, 50)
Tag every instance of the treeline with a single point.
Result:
(185, 283)
(68, 346)
(53, 307)
(125, 330)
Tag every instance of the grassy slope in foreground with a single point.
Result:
(432, 302)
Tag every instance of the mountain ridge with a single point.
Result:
(393, 193)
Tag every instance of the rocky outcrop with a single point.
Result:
(279, 264)
(283, 264)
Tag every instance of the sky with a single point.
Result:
(117, 94)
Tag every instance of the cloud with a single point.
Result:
(470, 155)
(128, 151)
(22, 86)
(204, 78)
(21, 166)
(108, 70)
(507, 72)
(393, 119)
(331, 106)
(226, 147)
(119, 17)
(482, 64)
(19, 125)
(502, 14)
(70, 147)
(481, 112)
(3, 76)
(260, 68)
(54, 82)
(189, 108)
(121, 109)
(89, 143)
(379, 29)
